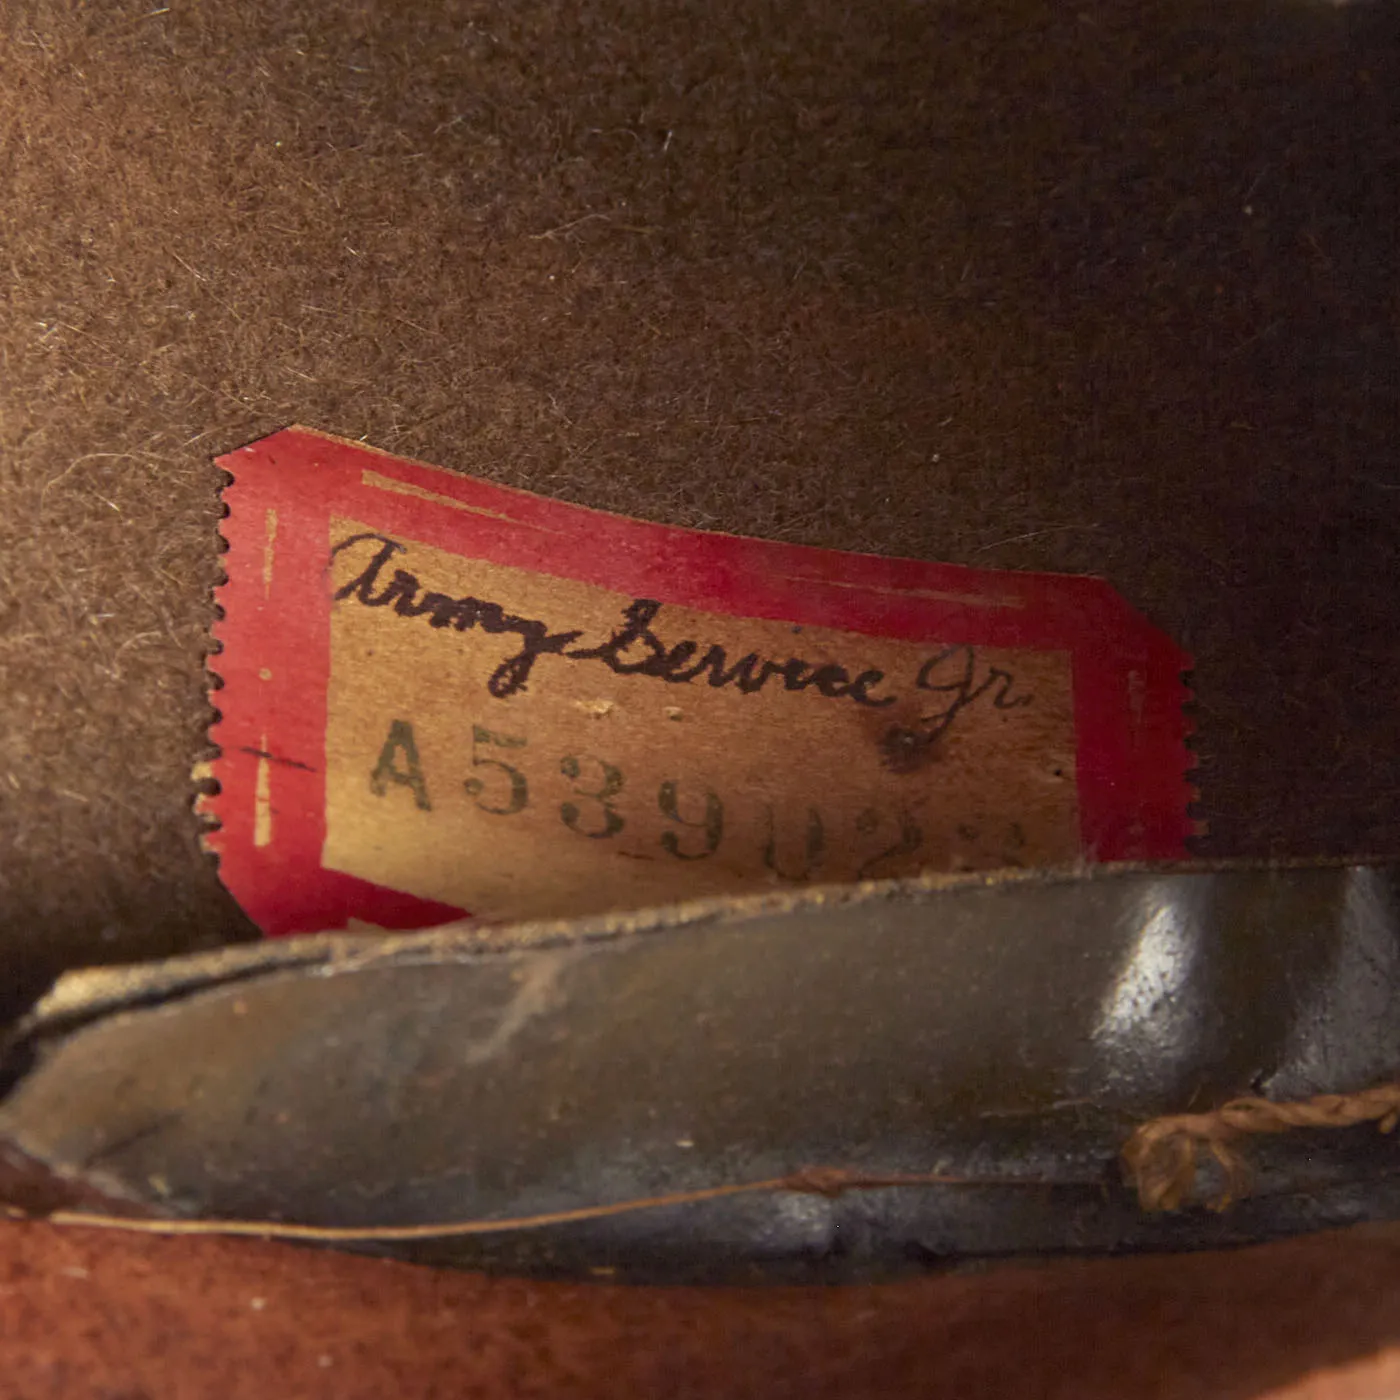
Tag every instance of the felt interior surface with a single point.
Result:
(1107, 288)
(91, 1315)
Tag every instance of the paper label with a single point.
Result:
(464, 699)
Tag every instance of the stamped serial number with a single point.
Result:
(671, 818)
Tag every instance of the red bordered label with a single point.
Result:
(443, 697)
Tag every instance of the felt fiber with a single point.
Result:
(1104, 288)
(93, 1315)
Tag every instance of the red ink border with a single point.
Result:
(1132, 755)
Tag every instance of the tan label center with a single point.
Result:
(524, 746)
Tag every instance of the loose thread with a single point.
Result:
(1162, 1157)
(822, 1181)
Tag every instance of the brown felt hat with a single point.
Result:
(1104, 289)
